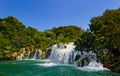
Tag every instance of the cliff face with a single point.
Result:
(14, 55)
(28, 52)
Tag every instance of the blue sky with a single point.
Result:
(46, 14)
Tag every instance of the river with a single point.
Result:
(39, 68)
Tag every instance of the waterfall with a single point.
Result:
(93, 66)
(85, 58)
(65, 54)
(35, 55)
(27, 55)
(61, 53)
(21, 55)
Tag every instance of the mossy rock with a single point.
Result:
(77, 57)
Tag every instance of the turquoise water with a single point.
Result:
(33, 68)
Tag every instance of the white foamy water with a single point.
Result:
(33, 55)
(65, 56)
(93, 66)
(61, 53)
(50, 64)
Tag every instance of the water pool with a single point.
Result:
(34, 68)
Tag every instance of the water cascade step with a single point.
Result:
(66, 54)
(29, 55)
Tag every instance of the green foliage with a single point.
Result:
(104, 34)
(107, 29)
(14, 35)
(65, 34)
(86, 42)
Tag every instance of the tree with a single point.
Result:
(86, 42)
(104, 36)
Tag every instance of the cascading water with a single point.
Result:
(21, 55)
(93, 65)
(61, 53)
(29, 55)
(65, 54)
(35, 55)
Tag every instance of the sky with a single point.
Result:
(46, 14)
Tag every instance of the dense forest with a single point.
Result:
(102, 37)
(14, 36)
